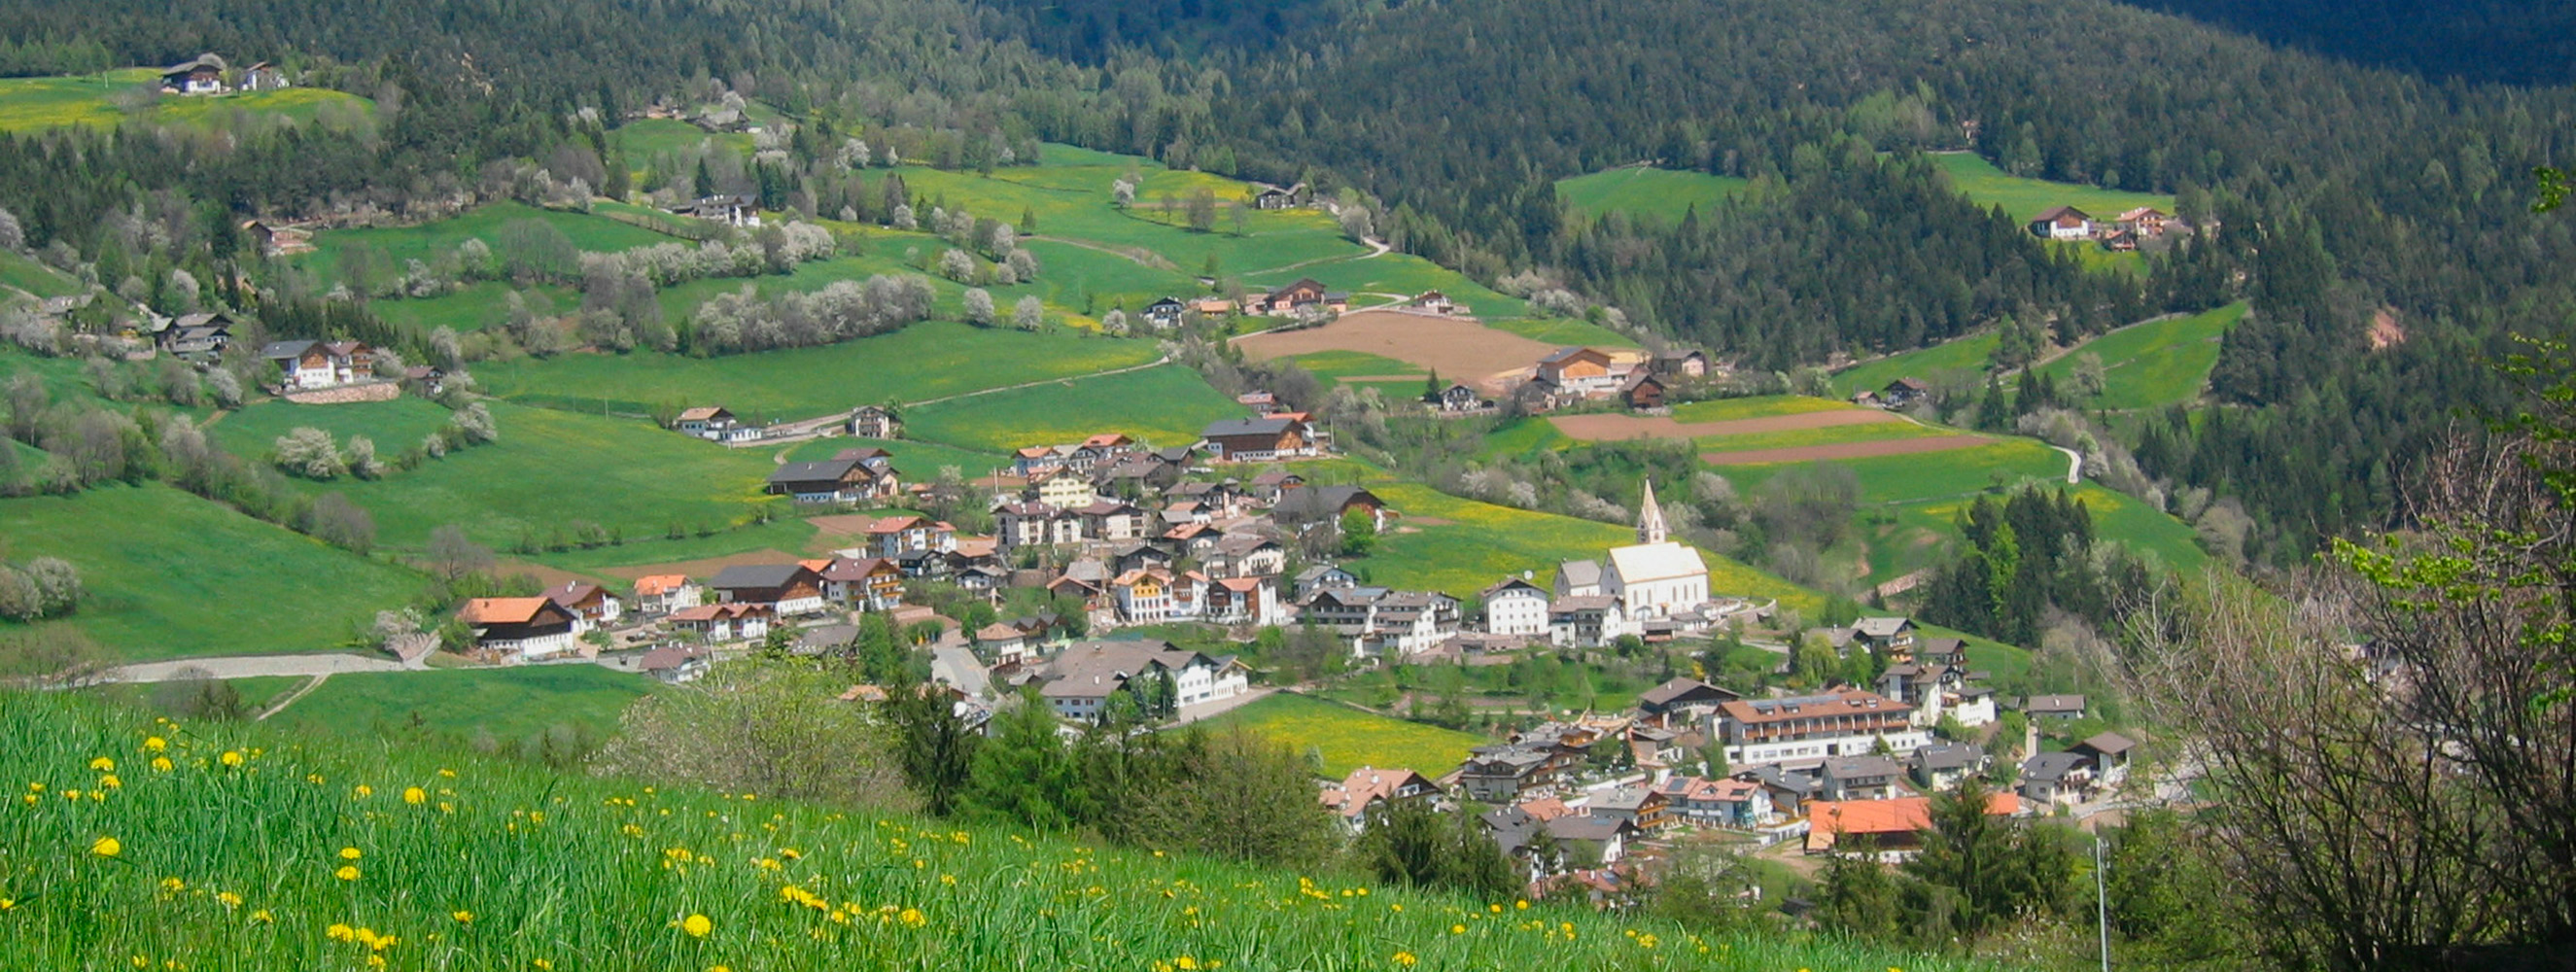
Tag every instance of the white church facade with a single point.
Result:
(1654, 577)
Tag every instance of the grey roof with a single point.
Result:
(819, 471)
(1627, 798)
(1881, 627)
(1580, 573)
(1246, 426)
(757, 575)
(1512, 582)
(1588, 602)
(2054, 703)
(1580, 827)
(2109, 744)
(2051, 767)
(1942, 757)
(1677, 688)
(957, 666)
(1861, 767)
(284, 349)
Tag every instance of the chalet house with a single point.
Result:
(718, 623)
(1941, 766)
(2144, 222)
(894, 536)
(1506, 774)
(1456, 399)
(1273, 197)
(195, 337)
(1165, 313)
(1247, 555)
(1639, 806)
(1306, 292)
(1891, 828)
(1684, 703)
(1589, 621)
(1079, 683)
(320, 364)
(1369, 788)
(1904, 392)
(1032, 524)
(1245, 600)
(1741, 804)
(263, 76)
(2067, 707)
(521, 628)
(1063, 489)
(843, 479)
(1406, 623)
(1641, 391)
(866, 583)
(1144, 596)
(1811, 728)
(731, 210)
(1515, 607)
(592, 604)
(1942, 651)
(783, 588)
(2109, 753)
(1580, 372)
(706, 422)
(1306, 506)
(1578, 578)
(1324, 577)
(1436, 302)
(2053, 778)
(1860, 777)
(875, 422)
(1684, 364)
(1888, 638)
(201, 75)
(1259, 439)
(1212, 306)
(1001, 644)
(665, 593)
(1267, 486)
(2062, 223)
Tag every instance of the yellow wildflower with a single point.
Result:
(542, 964)
(162, 764)
(107, 847)
(697, 926)
(155, 744)
(102, 765)
(1406, 960)
(415, 796)
(1186, 963)
(262, 916)
(912, 918)
(171, 885)
(232, 758)
(463, 917)
(351, 853)
(110, 782)
(1457, 929)
(346, 873)
(8, 903)
(362, 791)
(228, 899)
(340, 933)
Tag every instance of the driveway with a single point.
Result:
(250, 666)
(1210, 710)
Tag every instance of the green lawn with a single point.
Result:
(2025, 199)
(2118, 516)
(1469, 545)
(1562, 332)
(170, 575)
(1966, 354)
(918, 461)
(474, 307)
(394, 426)
(2154, 364)
(1167, 406)
(255, 692)
(35, 278)
(927, 360)
(429, 241)
(1523, 436)
(54, 102)
(553, 468)
(645, 138)
(1643, 193)
(786, 534)
(1339, 367)
(1759, 406)
(1828, 435)
(507, 704)
(1349, 738)
(1932, 475)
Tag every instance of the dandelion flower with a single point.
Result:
(233, 758)
(463, 917)
(263, 917)
(340, 933)
(697, 926)
(7, 904)
(155, 744)
(107, 847)
(912, 918)
(162, 764)
(351, 853)
(1406, 960)
(228, 899)
(102, 765)
(1522, 904)
(415, 796)
(1457, 929)
(346, 873)
(362, 791)
(110, 782)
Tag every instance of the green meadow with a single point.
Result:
(170, 575)
(1925, 476)
(932, 359)
(1396, 277)
(2025, 198)
(1964, 354)
(429, 241)
(1343, 367)
(1524, 436)
(507, 865)
(1828, 435)
(35, 278)
(393, 426)
(1645, 193)
(1348, 738)
(101, 99)
(1167, 405)
(1561, 332)
(918, 461)
(474, 307)
(503, 705)
(2154, 364)
(1758, 406)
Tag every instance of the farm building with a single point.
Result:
(875, 422)
(1584, 372)
(520, 627)
(1456, 399)
(2062, 223)
(320, 364)
(842, 479)
(200, 75)
(1165, 313)
(784, 588)
(1285, 435)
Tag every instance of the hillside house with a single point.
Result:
(1741, 804)
(1903, 393)
(2062, 223)
(1302, 507)
(1892, 828)
(1079, 683)
(1456, 399)
(1406, 623)
(720, 623)
(1246, 555)
(1643, 808)
(1682, 703)
(1515, 607)
(1505, 774)
(320, 364)
(1165, 313)
(1001, 644)
(715, 424)
(875, 422)
(264, 76)
(2144, 222)
(846, 478)
(731, 210)
(1306, 292)
(1324, 577)
(1245, 600)
(200, 75)
(1580, 372)
(1860, 778)
(1436, 302)
(1941, 766)
(1641, 391)
(1145, 595)
(2109, 752)
(2062, 707)
(894, 536)
(666, 593)
(2048, 779)
(1273, 197)
(1282, 436)
(865, 583)
(1683, 364)
(591, 603)
(1212, 306)
(673, 665)
(1808, 729)
(521, 628)
(1368, 788)
(194, 337)
(787, 589)
(1578, 578)
(1588, 621)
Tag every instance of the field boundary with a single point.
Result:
(1595, 427)
(1846, 450)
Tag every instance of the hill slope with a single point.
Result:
(324, 856)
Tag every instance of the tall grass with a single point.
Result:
(231, 855)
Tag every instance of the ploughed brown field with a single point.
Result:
(1458, 348)
(1612, 427)
(1846, 450)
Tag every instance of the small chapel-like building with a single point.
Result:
(1654, 577)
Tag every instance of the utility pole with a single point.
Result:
(2101, 902)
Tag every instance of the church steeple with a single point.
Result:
(1650, 517)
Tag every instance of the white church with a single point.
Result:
(1654, 577)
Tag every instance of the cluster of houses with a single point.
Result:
(2126, 231)
(207, 74)
(1633, 378)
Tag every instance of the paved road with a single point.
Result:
(251, 666)
(1210, 710)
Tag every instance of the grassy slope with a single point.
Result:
(170, 575)
(35, 278)
(571, 870)
(463, 703)
(1969, 353)
(1760, 406)
(394, 426)
(1480, 543)
(474, 307)
(33, 103)
(927, 360)
(1349, 738)
(1662, 195)
(1167, 405)
(1932, 475)
(428, 241)
(2154, 364)
(2025, 199)
(918, 461)
(1561, 332)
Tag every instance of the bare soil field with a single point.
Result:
(705, 566)
(1846, 450)
(1458, 348)
(1613, 427)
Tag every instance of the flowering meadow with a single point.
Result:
(132, 843)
